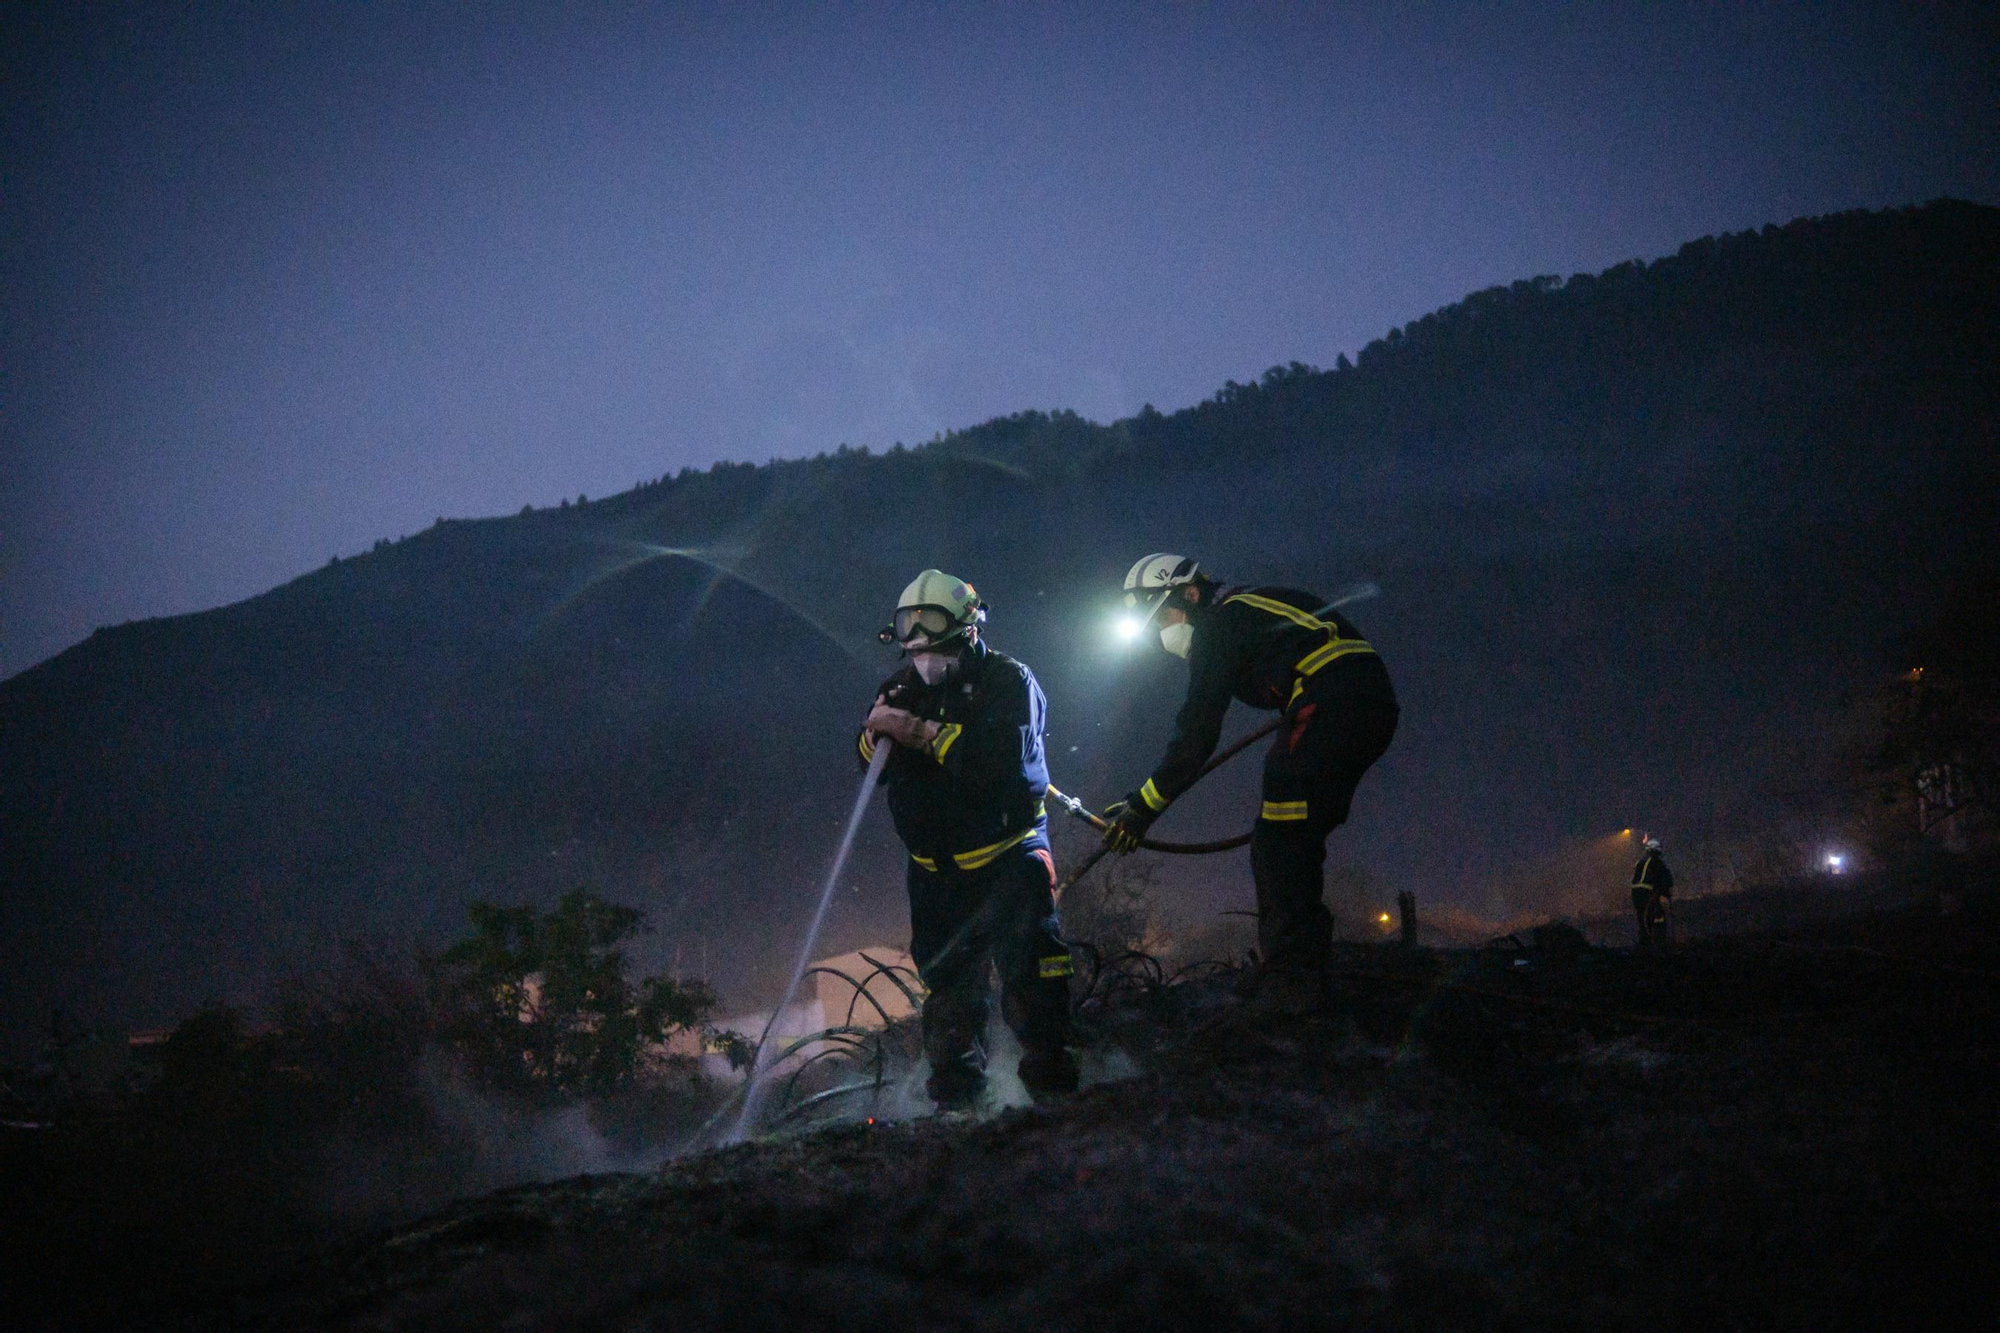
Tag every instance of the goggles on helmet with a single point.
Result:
(921, 625)
(934, 621)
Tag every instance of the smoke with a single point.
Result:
(469, 1142)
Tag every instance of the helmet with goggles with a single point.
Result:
(935, 611)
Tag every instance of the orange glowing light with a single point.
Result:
(1384, 918)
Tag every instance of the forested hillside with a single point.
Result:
(1639, 535)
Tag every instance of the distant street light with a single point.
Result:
(1835, 862)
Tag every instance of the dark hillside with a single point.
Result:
(1672, 510)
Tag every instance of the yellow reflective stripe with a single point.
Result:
(1059, 966)
(983, 856)
(942, 741)
(867, 748)
(1325, 653)
(1277, 608)
(1151, 796)
(986, 855)
(1282, 812)
(1332, 650)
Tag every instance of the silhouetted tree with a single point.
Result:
(540, 1002)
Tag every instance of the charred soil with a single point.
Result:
(1747, 1133)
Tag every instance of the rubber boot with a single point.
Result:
(1048, 1073)
(955, 1084)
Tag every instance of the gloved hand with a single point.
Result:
(901, 726)
(1130, 818)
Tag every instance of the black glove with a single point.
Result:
(1130, 818)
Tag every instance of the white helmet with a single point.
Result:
(1156, 577)
(1651, 843)
(934, 610)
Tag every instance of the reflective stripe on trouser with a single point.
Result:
(1310, 773)
(1005, 912)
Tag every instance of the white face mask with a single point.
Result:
(1177, 639)
(933, 666)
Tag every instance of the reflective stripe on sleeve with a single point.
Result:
(947, 733)
(1061, 965)
(1283, 812)
(1151, 796)
(867, 749)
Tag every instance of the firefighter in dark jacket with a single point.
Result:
(1652, 890)
(966, 781)
(1271, 648)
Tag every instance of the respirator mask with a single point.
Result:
(1177, 639)
(932, 667)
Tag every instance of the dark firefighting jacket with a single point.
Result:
(1652, 873)
(1268, 647)
(976, 791)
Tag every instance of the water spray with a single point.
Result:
(753, 1086)
(645, 552)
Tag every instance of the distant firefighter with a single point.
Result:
(1271, 648)
(1652, 890)
(966, 783)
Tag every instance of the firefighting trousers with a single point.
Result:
(1648, 903)
(1003, 914)
(1310, 774)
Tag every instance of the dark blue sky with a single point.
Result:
(282, 279)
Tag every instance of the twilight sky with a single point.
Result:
(280, 279)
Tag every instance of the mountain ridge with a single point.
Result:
(1759, 429)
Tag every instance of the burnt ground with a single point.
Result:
(1749, 1133)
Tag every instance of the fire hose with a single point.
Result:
(1098, 822)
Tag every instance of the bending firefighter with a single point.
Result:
(1652, 890)
(966, 783)
(1272, 648)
